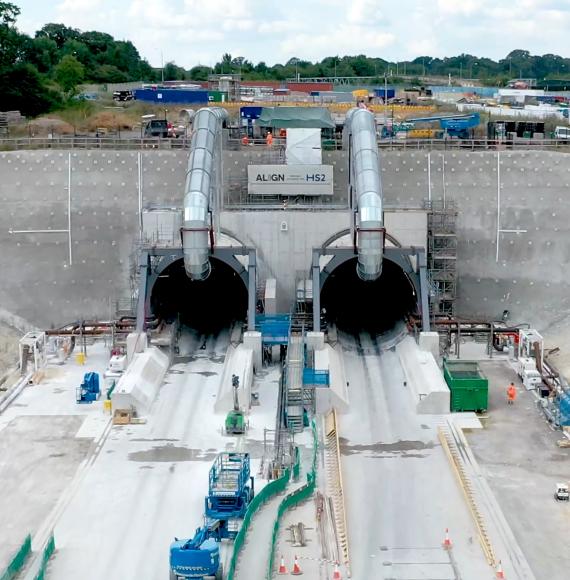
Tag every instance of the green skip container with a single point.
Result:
(468, 385)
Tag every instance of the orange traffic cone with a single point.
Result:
(500, 571)
(447, 545)
(282, 568)
(296, 568)
(336, 573)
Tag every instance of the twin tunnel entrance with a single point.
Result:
(353, 305)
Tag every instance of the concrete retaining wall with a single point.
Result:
(39, 284)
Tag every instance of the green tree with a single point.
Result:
(173, 72)
(107, 73)
(12, 43)
(24, 90)
(42, 53)
(69, 73)
(200, 73)
(59, 33)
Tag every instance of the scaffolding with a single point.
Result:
(442, 256)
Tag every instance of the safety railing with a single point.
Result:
(299, 495)
(18, 560)
(88, 142)
(130, 143)
(263, 496)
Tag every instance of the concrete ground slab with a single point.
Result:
(45, 438)
(518, 455)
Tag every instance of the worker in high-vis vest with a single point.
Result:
(511, 394)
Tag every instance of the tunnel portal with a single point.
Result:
(355, 306)
(207, 306)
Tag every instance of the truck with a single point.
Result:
(230, 492)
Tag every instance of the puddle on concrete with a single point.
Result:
(204, 373)
(424, 426)
(146, 467)
(182, 359)
(56, 455)
(386, 450)
(59, 391)
(175, 372)
(171, 453)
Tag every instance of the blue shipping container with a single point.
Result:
(380, 93)
(172, 96)
(250, 112)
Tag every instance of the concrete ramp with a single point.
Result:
(424, 378)
(238, 361)
(336, 395)
(141, 382)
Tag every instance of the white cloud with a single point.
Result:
(364, 12)
(192, 31)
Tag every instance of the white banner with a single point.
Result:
(290, 179)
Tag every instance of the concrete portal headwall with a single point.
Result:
(513, 227)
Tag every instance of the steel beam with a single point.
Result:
(424, 289)
(144, 266)
(316, 272)
(251, 290)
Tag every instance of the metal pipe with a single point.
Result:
(360, 127)
(203, 161)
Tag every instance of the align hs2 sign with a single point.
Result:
(290, 179)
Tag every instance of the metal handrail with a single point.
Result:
(135, 143)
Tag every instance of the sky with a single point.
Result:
(192, 32)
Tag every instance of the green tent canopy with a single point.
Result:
(296, 118)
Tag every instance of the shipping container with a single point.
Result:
(468, 386)
(162, 96)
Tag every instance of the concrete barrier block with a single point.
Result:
(424, 378)
(140, 383)
(429, 342)
(252, 340)
(238, 361)
(315, 340)
(336, 395)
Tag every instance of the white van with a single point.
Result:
(562, 133)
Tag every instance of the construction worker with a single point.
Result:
(269, 139)
(511, 394)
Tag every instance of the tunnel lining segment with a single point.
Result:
(400, 256)
(150, 272)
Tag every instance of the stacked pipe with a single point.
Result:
(365, 177)
(202, 161)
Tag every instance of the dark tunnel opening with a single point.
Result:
(376, 307)
(207, 306)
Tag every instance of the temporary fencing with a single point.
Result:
(299, 495)
(18, 560)
(48, 550)
(266, 493)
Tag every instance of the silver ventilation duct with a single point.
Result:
(365, 168)
(203, 159)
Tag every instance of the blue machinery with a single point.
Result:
(453, 125)
(230, 491)
(89, 390)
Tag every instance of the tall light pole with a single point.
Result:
(162, 66)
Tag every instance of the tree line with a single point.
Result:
(42, 73)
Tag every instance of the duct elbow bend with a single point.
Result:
(197, 270)
(369, 268)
